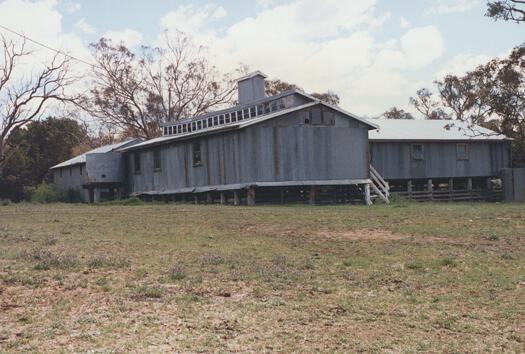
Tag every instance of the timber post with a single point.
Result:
(209, 199)
(251, 196)
(236, 197)
(223, 198)
(451, 189)
(313, 192)
(429, 188)
(368, 201)
(469, 188)
(196, 199)
(409, 189)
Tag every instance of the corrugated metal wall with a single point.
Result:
(278, 150)
(393, 160)
(75, 181)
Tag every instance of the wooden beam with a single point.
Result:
(236, 197)
(368, 201)
(251, 196)
(313, 192)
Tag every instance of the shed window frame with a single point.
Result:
(137, 165)
(460, 158)
(412, 155)
(157, 160)
(196, 154)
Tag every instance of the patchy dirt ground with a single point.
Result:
(161, 278)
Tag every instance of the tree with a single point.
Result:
(23, 98)
(395, 113)
(40, 145)
(137, 92)
(427, 106)
(507, 10)
(275, 87)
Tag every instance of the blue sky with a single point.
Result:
(373, 53)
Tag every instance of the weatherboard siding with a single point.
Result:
(279, 150)
(393, 160)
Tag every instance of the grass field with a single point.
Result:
(160, 277)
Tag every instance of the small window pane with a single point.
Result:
(275, 105)
(215, 120)
(234, 116)
(316, 116)
(197, 161)
(260, 109)
(136, 162)
(266, 108)
(227, 118)
(156, 160)
(252, 111)
(239, 115)
(417, 152)
(462, 151)
(165, 130)
(221, 119)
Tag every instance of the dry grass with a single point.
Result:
(401, 278)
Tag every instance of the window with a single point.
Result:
(417, 152)
(252, 111)
(156, 160)
(197, 161)
(221, 119)
(239, 115)
(304, 117)
(282, 103)
(179, 129)
(215, 120)
(165, 130)
(184, 128)
(246, 114)
(199, 124)
(462, 151)
(266, 107)
(210, 122)
(275, 105)
(234, 116)
(193, 126)
(80, 170)
(227, 118)
(260, 109)
(136, 162)
(204, 124)
(316, 116)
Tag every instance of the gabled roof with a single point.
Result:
(101, 150)
(431, 130)
(242, 124)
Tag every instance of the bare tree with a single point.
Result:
(23, 99)
(427, 106)
(507, 10)
(136, 93)
(276, 86)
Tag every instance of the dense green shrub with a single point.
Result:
(46, 193)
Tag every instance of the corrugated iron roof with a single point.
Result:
(241, 124)
(101, 150)
(437, 130)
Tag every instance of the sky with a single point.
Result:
(374, 54)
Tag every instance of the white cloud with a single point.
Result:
(264, 3)
(71, 6)
(422, 46)
(192, 20)
(403, 22)
(84, 27)
(451, 6)
(462, 63)
(129, 37)
(319, 46)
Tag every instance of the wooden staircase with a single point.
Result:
(379, 187)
